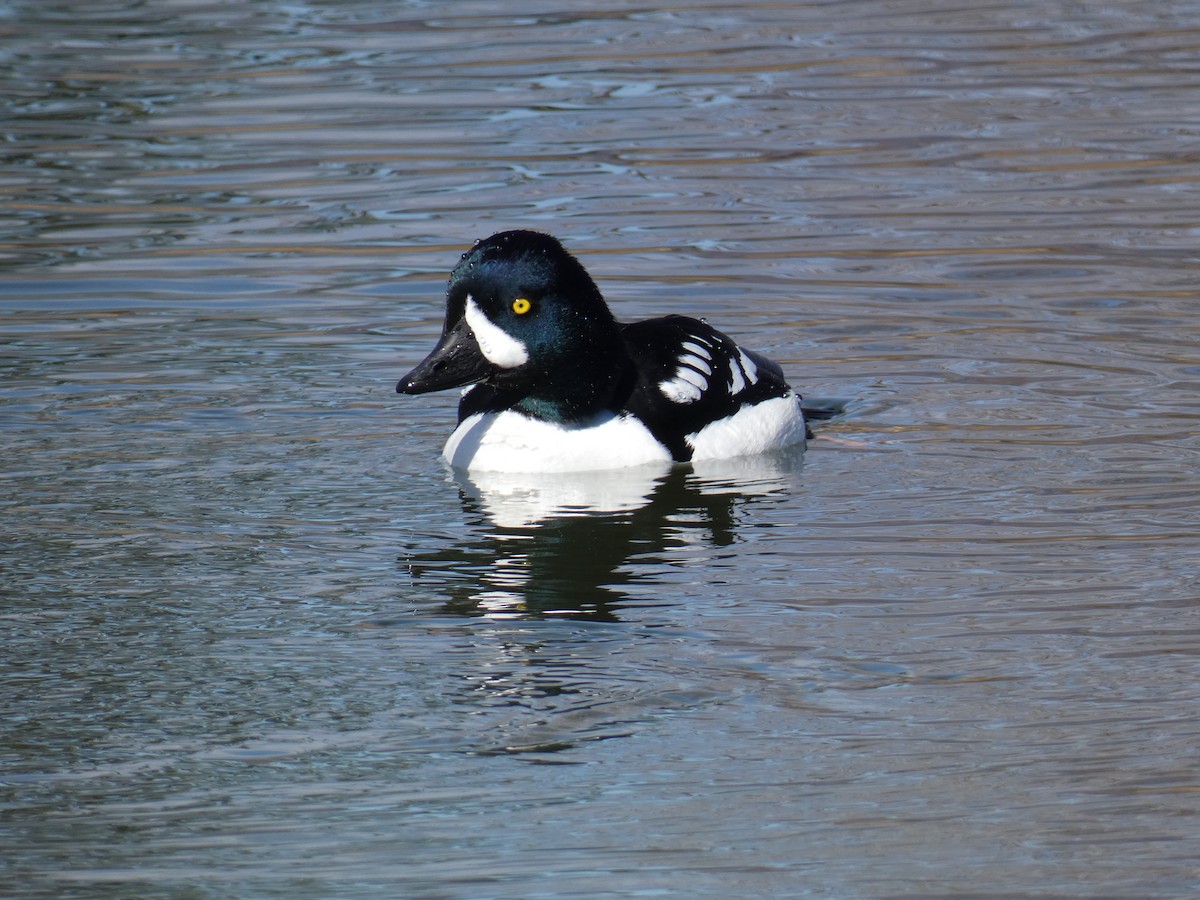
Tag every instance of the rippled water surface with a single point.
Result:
(258, 640)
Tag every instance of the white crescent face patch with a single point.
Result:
(498, 346)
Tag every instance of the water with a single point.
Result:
(258, 641)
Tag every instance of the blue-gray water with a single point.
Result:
(258, 641)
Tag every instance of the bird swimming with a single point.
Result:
(555, 384)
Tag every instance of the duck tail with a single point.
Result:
(820, 408)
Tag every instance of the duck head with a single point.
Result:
(524, 316)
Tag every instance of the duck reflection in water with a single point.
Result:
(557, 545)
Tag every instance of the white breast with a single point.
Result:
(511, 442)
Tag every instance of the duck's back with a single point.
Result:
(704, 397)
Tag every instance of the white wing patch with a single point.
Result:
(497, 345)
(690, 380)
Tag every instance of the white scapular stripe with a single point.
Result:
(742, 371)
(678, 390)
(697, 356)
(690, 380)
(691, 376)
(737, 382)
(497, 345)
(686, 386)
(748, 367)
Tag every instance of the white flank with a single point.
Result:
(511, 442)
(764, 426)
(497, 345)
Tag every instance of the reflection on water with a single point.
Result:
(565, 544)
(257, 640)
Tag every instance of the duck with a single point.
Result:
(553, 383)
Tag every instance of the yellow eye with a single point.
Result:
(521, 306)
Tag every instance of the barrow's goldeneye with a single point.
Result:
(556, 384)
